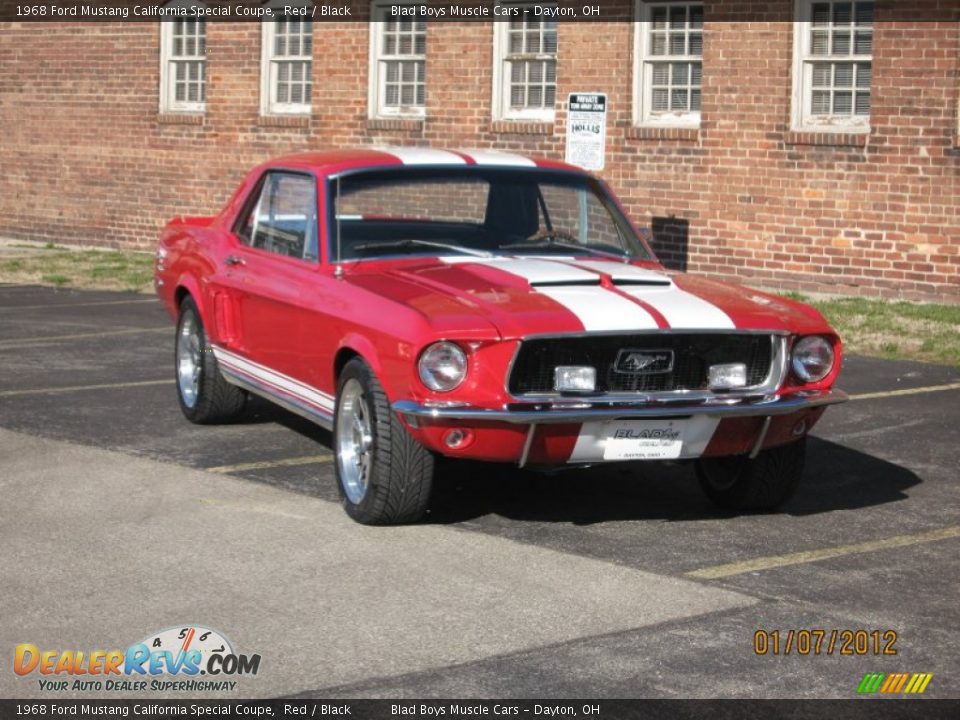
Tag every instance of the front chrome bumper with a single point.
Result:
(566, 411)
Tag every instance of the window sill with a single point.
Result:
(522, 127)
(689, 134)
(406, 124)
(180, 118)
(828, 138)
(284, 121)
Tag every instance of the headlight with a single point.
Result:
(442, 366)
(812, 358)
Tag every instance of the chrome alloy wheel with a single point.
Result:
(354, 441)
(189, 359)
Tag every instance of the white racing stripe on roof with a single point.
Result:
(682, 310)
(495, 157)
(423, 156)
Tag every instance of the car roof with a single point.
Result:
(333, 162)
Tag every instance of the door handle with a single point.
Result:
(234, 260)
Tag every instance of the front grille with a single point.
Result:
(693, 354)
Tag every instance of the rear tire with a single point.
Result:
(204, 396)
(762, 484)
(384, 476)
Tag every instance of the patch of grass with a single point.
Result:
(92, 269)
(899, 330)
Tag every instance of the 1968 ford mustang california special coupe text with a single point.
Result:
(489, 306)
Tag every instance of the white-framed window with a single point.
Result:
(287, 66)
(183, 66)
(398, 61)
(525, 64)
(833, 60)
(668, 63)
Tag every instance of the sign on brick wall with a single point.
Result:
(586, 130)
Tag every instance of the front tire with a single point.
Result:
(762, 484)
(384, 476)
(205, 397)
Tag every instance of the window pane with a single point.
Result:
(821, 14)
(406, 95)
(658, 45)
(696, 16)
(420, 99)
(696, 44)
(842, 103)
(695, 72)
(820, 43)
(659, 17)
(841, 43)
(659, 100)
(393, 95)
(863, 44)
(678, 16)
(679, 99)
(516, 96)
(393, 71)
(863, 103)
(678, 43)
(536, 97)
(843, 75)
(680, 73)
(661, 74)
(864, 16)
(821, 102)
(695, 100)
(864, 72)
(821, 74)
(841, 13)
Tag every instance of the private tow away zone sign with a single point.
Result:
(587, 130)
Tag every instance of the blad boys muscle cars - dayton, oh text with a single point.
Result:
(489, 306)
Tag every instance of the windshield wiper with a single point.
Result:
(552, 241)
(410, 243)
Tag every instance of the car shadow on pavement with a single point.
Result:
(836, 478)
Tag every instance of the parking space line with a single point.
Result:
(80, 388)
(809, 556)
(83, 304)
(20, 342)
(267, 464)
(906, 391)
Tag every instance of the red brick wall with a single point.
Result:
(85, 157)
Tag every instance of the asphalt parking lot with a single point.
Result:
(120, 518)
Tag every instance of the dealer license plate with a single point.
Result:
(644, 440)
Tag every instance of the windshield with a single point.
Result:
(476, 211)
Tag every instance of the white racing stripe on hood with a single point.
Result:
(423, 156)
(597, 308)
(682, 310)
(623, 271)
(494, 157)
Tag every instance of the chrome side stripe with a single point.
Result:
(272, 379)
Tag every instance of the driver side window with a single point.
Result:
(283, 219)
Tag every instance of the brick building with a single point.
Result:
(799, 144)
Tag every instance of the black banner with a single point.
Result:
(430, 10)
(293, 709)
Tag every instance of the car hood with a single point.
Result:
(522, 295)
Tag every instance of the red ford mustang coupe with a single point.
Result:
(483, 305)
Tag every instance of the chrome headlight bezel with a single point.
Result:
(812, 358)
(442, 366)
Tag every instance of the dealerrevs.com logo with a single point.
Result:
(189, 658)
